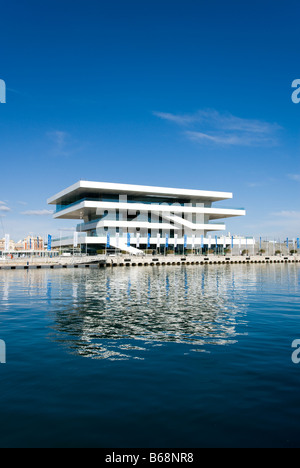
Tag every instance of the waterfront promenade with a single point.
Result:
(102, 261)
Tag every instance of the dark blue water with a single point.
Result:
(169, 357)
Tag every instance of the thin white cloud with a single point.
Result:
(4, 208)
(60, 142)
(63, 144)
(280, 224)
(231, 122)
(295, 215)
(230, 139)
(295, 177)
(22, 203)
(218, 139)
(37, 213)
(210, 126)
(178, 119)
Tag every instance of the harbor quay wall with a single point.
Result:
(142, 261)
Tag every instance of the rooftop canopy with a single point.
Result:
(138, 190)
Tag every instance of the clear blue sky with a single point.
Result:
(192, 94)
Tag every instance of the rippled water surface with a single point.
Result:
(150, 357)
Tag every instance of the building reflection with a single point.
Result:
(123, 314)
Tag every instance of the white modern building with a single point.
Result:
(134, 218)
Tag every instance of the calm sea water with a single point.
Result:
(152, 357)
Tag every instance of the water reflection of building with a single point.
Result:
(121, 314)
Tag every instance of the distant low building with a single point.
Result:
(33, 243)
(3, 244)
(30, 243)
(19, 246)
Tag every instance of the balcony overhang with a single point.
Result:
(137, 190)
(87, 208)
